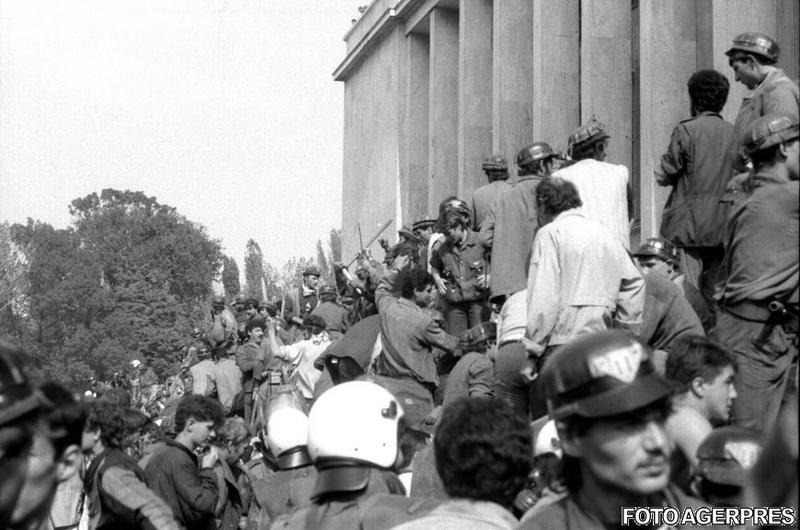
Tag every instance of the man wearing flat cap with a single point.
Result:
(303, 299)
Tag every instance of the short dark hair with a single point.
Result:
(556, 195)
(200, 408)
(587, 149)
(412, 278)
(255, 323)
(483, 450)
(696, 356)
(708, 90)
(108, 418)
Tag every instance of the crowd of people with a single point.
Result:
(512, 362)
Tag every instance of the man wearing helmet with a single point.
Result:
(510, 224)
(609, 406)
(758, 317)
(604, 188)
(302, 299)
(496, 169)
(353, 441)
(752, 58)
(334, 315)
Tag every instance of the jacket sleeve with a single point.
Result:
(384, 292)
(782, 98)
(481, 378)
(197, 490)
(543, 292)
(486, 235)
(672, 162)
(630, 300)
(436, 336)
(145, 509)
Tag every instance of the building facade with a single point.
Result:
(433, 86)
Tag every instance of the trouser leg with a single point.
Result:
(510, 385)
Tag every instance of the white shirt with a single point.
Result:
(302, 356)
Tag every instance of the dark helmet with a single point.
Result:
(534, 152)
(757, 44)
(600, 375)
(422, 223)
(217, 301)
(495, 163)
(660, 248)
(590, 132)
(727, 455)
(770, 130)
(328, 290)
(17, 396)
(311, 270)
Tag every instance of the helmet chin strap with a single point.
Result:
(294, 458)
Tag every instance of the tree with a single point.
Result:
(230, 277)
(253, 270)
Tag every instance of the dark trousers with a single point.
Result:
(703, 268)
(510, 385)
(766, 362)
(463, 315)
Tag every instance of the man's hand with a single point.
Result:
(210, 458)
(441, 286)
(433, 417)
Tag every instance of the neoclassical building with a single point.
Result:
(433, 86)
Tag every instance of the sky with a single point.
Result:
(226, 110)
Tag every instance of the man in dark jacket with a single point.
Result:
(173, 473)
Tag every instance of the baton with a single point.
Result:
(372, 240)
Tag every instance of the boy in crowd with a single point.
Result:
(173, 473)
(702, 372)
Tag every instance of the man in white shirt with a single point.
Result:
(302, 354)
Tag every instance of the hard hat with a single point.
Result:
(727, 454)
(287, 428)
(17, 396)
(757, 44)
(328, 289)
(423, 223)
(591, 131)
(600, 375)
(534, 152)
(770, 130)
(495, 163)
(658, 247)
(407, 232)
(311, 270)
(355, 421)
(217, 300)
(416, 401)
(545, 437)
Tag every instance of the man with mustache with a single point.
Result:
(610, 407)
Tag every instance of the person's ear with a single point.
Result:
(571, 445)
(69, 464)
(698, 387)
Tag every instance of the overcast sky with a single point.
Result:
(225, 110)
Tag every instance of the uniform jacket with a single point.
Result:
(408, 335)
(299, 302)
(698, 165)
(334, 315)
(776, 93)
(482, 200)
(251, 358)
(762, 259)
(568, 514)
(472, 376)
(581, 281)
(284, 491)
(508, 231)
(668, 315)
(191, 493)
(232, 501)
(460, 264)
(603, 189)
(119, 498)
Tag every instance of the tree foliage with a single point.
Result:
(230, 277)
(253, 270)
(126, 281)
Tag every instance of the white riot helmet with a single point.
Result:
(356, 421)
(287, 428)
